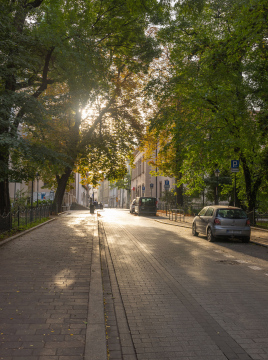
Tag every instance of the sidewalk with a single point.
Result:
(51, 299)
(258, 236)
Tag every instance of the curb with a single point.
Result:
(181, 224)
(95, 346)
(24, 232)
(259, 229)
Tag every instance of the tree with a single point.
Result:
(76, 45)
(123, 183)
(214, 96)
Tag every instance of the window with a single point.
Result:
(232, 214)
(209, 212)
(148, 201)
(202, 212)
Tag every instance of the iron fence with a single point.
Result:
(256, 218)
(22, 217)
(261, 219)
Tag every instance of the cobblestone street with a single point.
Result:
(185, 298)
(125, 287)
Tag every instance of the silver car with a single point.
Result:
(222, 221)
(132, 206)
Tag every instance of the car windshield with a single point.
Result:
(232, 214)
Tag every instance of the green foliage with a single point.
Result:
(213, 101)
(123, 183)
(7, 234)
(57, 57)
(20, 200)
(168, 197)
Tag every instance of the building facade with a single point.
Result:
(38, 190)
(145, 184)
(113, 197)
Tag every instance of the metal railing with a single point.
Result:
(256, 219)
(22, 217)
(178, 214)
(261, 220)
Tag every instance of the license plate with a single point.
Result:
(233, 232)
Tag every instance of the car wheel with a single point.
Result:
(194, 232)
(246, 239)
(210, 236)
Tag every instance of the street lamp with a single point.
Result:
(32, 194)
(217, 173)
(37, 177)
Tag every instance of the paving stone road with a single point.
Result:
(142, 290)
(183, 297)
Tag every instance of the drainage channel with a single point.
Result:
(118, 337)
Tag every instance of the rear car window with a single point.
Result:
(231, 213)
(148, 201)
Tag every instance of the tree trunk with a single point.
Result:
(179, 192)
(252, 185)
(62, 182)
(4, 183)
(4, 197)
(179, 196)
(21, 11)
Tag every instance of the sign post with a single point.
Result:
(51, 195)
(234, 169)
(217, 174)
(166, 186)
(151, 187)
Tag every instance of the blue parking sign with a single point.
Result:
(234, 164)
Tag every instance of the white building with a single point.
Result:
(113, 197)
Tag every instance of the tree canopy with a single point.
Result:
(72, 76)
(213, 98)
(57, 57)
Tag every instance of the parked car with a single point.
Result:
(132, 206)
(222, 222)
(146, 205)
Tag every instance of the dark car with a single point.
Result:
(222, 222)
(146, 205)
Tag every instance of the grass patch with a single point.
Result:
(263, 225)
(5, 235)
